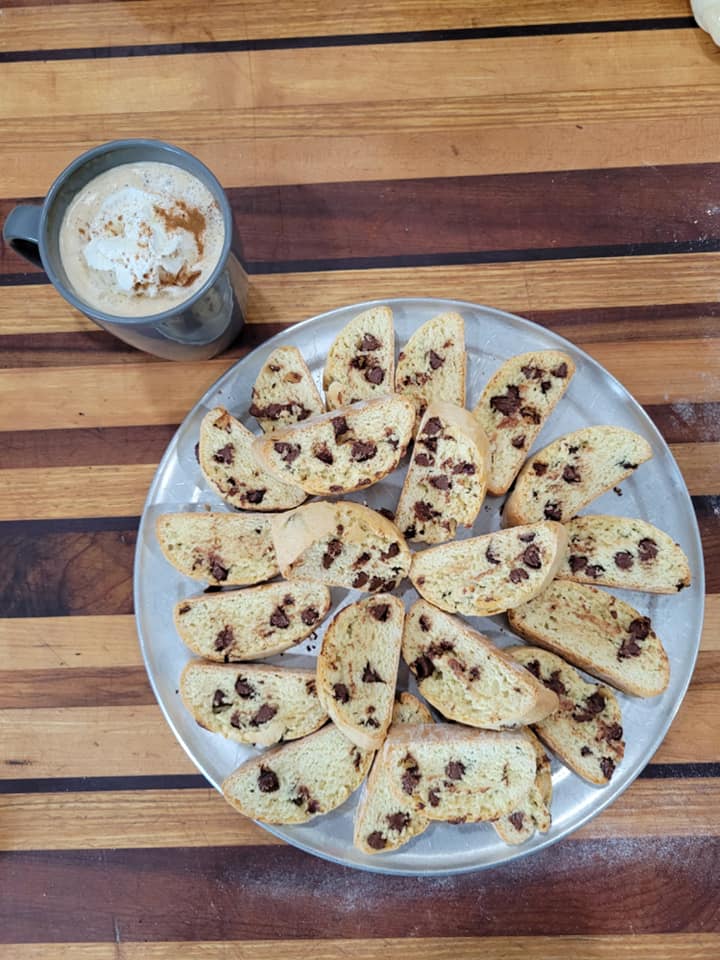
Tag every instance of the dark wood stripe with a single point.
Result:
(75, 687)
(684, 422)
(557, 215)
(154, 894)
(348, 40)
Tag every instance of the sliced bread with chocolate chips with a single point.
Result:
(221, 548)
(451, 772)
(360, 363)
(347, 449)
(285, 391)
(569, 473)
(533, 813)
(485, 575)
(623, 552)
(251, 624)
(432, 364)
(342, 544)
(515, 404)
(357, 668)
(466, 677)
(586, 731)
(382, 822)
(297, 781)
(446, 481)
(253, 703)
(228, 464)
(598, 633)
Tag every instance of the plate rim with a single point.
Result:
(514, 853)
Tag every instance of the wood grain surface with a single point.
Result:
(559, 160)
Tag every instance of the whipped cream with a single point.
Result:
(136, 236)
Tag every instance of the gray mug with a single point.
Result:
(194, 329)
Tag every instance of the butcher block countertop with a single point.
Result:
(559, 160)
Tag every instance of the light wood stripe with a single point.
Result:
(200, 818)
(166, 21)
(673, 946)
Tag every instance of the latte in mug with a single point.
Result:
(141, 238)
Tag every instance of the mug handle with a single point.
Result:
(21, 232)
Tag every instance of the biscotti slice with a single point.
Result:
(221, 548)
(446, 481)
(569, 473)
(360, 363)
(382, 822)
(431, 365)
(586, 731)
(450, 772)
(357, 668)
(299, 780)
(342, 544)
(485, 575)
(515, 404)
(623, 552)
(285, 391)
(228, 464)
(598, 633)
(251, 624)
(252, 704)
(534, 811)
(347, 449)
(466, 677)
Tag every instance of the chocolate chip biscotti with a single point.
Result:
(284, 391)
(533, 813)
(432, 364)
(360, 363)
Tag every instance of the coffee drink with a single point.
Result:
(141, 238)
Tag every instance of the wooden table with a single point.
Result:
(556, 159)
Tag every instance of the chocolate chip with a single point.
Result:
(475, 673)
(183, 609)
(434, 797)
(534, 668)
(440, 483)
(376, 841)
(309, 616)
(362, 451)
(196, 448)
(334, 549)
(432, 427)
(410, 779)
(647, 549)
(375, 375)
(593, 705)
(439, 648)
(516, 819)
(424, 623)
(255, 496)
(435, 360)
(585, 752)
(553, 510)
(336, 488)
(381, 612)
(398, 821)
(540, 468)
(617, 491)
(614, 732)
(313, 806)
(263, 715)
(424, 460)
(311, 688)
(594, 570)
(430, 443)
(219, 703)
(531, 414)
(626, 465)
(518, 574)
(225, 638)
(465, 467)
(370, 722)
(339, 426)
(243, 688)
(225, 455)
(518, 442)
(545, 386)
(388, 514)
(279, 618)
(554, 682)
(370, 675)
(369, 342)
(571, 475)
(288, 600)
(623, 559)
(532, 373)
(608, 767)
(490, 556)
(410, 531)
(507, 403)
(577, 562)
(527, 537)
(376, 583)
(341, 693)
(423, 510)
(324, 455)
(560, 371)
(531, 557)
(360, 580)
(267, 780)
(423, 667)
(287, 451)
(455, 770)
(392, 551)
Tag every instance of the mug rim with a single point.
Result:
(210, 180)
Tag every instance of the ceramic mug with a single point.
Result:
(194, 329)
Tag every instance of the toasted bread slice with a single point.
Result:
(357, 668)
(227, 462)
(252, 703)
(221, 548)
(456, 773)
(342, 544)
(432, 364)
(284, 392)
(485, 575)
(598, 633)
(361, 360)
(466, 677)
(514, 407)
(571, 472)
(254, 623)
(533, 813)
(382, 822)
(446, 481)
(623, 552)
(300, 780)
(586, 731)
